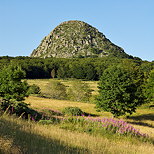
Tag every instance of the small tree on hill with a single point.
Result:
(120, 91)
(13, 91)
(79, 91)
(56, 90)
(11, 86)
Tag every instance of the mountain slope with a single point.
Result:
(77, 39)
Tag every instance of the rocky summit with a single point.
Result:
(77, 39)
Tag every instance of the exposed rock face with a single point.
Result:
(76, 39)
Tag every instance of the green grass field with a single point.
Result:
(20, 136)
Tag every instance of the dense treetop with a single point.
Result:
(80, 68)
(121, 90)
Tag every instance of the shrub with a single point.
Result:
(73, 111)
(13, 91)
(56, 90)
(50, 112)
(34, 89)
(79, 91)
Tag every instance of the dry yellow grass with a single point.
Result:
(31, 137)
(7, 146)
(43, 82)
(40, 82)
(145, 125)
(143, 119)
(40, 103)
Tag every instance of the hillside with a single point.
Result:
(77, 39)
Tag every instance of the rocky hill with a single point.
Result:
(77, 39)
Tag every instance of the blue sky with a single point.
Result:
(127, 23)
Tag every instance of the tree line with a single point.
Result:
(79, 68)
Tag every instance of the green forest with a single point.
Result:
(79, 68)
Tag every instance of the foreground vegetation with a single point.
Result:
(18, 136)
(142, 119)
(52, 136)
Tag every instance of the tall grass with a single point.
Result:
(18, 136)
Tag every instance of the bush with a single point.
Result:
(50, 112)
(73, 111)
(34, 89)
(55, 90)
(79, 91)
(13, 91)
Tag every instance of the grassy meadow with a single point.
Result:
(42, 83)
(21, 136)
